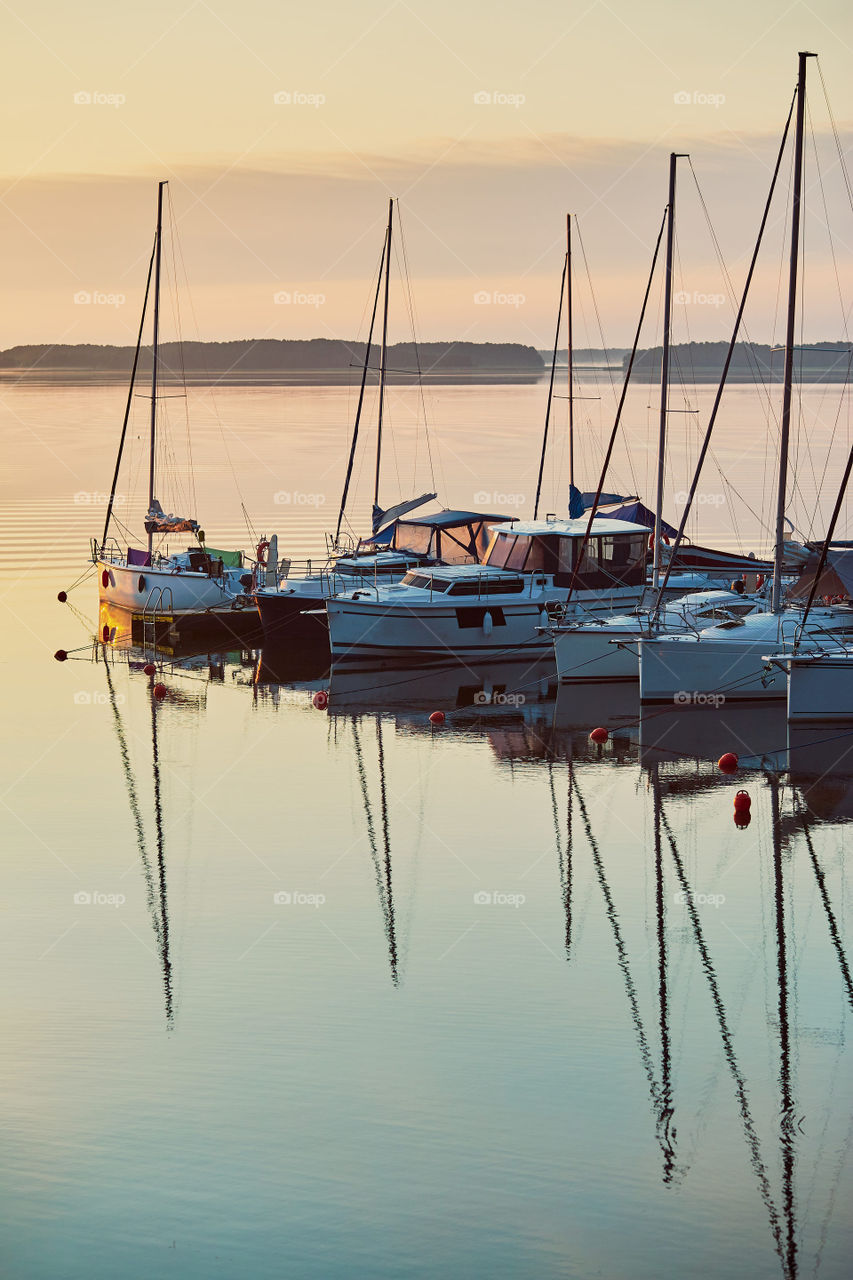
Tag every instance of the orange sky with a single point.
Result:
(283, 130)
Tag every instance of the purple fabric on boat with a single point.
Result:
(141, 558)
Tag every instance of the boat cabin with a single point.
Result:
(615, 555)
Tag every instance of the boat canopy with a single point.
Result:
(454, 536)
(635, 512)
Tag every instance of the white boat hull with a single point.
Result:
(135, 587)
(593, 657)
(686, 671)
(820, 690)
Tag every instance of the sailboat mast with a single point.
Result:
(664, 370)
(158, 242)
(785, 434)
(569, 348)
(384, 351)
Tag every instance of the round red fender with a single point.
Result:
(437, 717)
(149, 669)
(106, 633)
(728, 762)
(61, 655)
(742, 818)
(320, 699)
(141, 583)
(599, 735)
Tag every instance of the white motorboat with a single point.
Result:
(502, 606)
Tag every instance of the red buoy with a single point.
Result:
(742, 802)
(321, 699)
(728, 762)
(598, 735)
(159, 691)
(149, 669)
(62, 596)
(436, 717)
(60, 655)
(742, 817)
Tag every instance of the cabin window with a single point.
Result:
(413, 537)
(518, 554)
(488, 587)
(501, 547)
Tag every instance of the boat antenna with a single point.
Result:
(158, 245)
(664, 369)
(384, 351)
(364, 369)
(679, 537)
(127, 407)
(779, 551)
(551, 389)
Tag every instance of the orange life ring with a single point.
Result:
(261, 553)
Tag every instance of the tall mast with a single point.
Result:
(569, 347)
(383, 352)
(158, 242)
(664, 369)
(779, 553)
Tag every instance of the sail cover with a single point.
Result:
(381, 517)
(836, 579)
(158, 522)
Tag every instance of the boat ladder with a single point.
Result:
(159, 602)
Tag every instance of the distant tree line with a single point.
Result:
(268, 356)
(703, 361)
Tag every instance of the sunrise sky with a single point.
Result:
(284, 128)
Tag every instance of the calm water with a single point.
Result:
(331, 993)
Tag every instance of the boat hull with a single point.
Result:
(292, 618)
(820, 690)
(594, 657)
(685, 671)
(163, 591)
